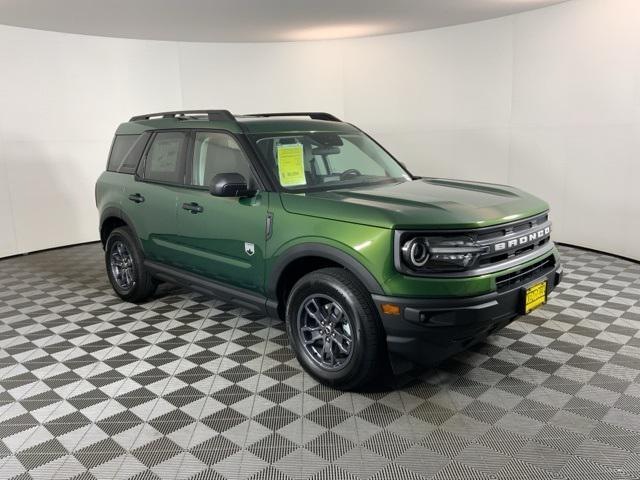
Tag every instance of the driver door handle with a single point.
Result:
(193, 207)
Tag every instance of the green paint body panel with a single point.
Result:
(425, 204)
(358, 222)
(212, 243)
(372, 246)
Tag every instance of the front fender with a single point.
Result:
(315, 249)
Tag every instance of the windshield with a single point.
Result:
(305, 161)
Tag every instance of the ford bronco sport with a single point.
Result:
(306, 218)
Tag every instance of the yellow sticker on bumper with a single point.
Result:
(535, 296)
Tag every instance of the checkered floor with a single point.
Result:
(187, 386)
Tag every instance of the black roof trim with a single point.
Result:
(213, 115)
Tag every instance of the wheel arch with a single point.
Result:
(112, 218)
(304, 258)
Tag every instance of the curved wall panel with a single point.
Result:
(61, 98)
(547, 100)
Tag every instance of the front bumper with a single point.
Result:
(428, 331)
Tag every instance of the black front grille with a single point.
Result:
(524, 275)
(497, 234)
(491, 259)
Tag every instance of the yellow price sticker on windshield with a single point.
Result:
(291, 165)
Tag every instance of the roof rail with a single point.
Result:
(313, 115)
(213, 115)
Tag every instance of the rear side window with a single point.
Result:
(163, 161)
(125, 152)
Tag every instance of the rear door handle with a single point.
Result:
(136, 197)
(193, 207)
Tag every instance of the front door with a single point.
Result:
(221, 238)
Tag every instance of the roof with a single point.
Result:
(292, 124)
(223, 120)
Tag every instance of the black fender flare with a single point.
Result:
(325, 251)
(110, 212)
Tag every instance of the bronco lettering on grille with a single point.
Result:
(522, 241)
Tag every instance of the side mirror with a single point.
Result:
(230, 185)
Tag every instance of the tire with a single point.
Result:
(366, 359)
(122, 245)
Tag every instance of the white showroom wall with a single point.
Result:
(547, 100)
(61, 97)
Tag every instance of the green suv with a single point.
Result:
(306, 218)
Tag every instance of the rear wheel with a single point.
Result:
(334, 329)
(125, 267)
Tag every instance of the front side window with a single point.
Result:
(215, 153)
(326, 160)
(163, 158)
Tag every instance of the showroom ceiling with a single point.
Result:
(252, 20)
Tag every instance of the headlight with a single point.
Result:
(427, 254)
(415, 252)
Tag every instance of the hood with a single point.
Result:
(431, 203)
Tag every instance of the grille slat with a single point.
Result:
(524, 275)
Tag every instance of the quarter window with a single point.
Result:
(125, 152)
(163, 158)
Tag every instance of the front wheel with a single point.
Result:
(334, 329)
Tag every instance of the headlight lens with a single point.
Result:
(440, 253)
(415, 252)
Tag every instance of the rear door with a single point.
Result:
(152, 198)
(222, 238)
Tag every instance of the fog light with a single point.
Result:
(390, 309)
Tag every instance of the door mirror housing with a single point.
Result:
(230, 185)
